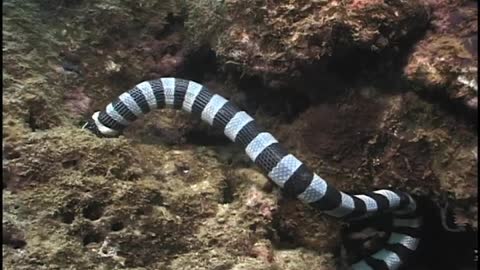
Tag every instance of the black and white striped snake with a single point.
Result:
(289, 173)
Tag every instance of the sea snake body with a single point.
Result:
(284, 169)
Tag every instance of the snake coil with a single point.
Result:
(284, 169)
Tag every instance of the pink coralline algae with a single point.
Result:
(256, 199)
(76, 102)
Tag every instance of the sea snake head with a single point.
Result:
(97, 128)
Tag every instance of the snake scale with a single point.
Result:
(284, 169)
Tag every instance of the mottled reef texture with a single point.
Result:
(371, 94)
(445, 62)
(282, 41)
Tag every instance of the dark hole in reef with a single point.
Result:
(5, 177)
(182, 168)
(285, 239)
(155, 198)
(32, 122)
(172, 49)
(12, 240)
(442, 249)
(132, 177)
(212, 242)
(200, 63)
(92, 238)
(387, 63)
(70, 163)
(456, 107)
(117, 226)
(227, 192)
(93, 211)
(57, 5)
(16, 243)
(67, 217)
(281, 237)
(287, 104)
(11, 153)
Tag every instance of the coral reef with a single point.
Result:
(173, 193)
(394, 140)
(282, 41)
(446, 59)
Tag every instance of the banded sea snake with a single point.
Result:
(285, 170)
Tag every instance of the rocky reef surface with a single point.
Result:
(370, 94)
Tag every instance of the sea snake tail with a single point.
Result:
(288, 172)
